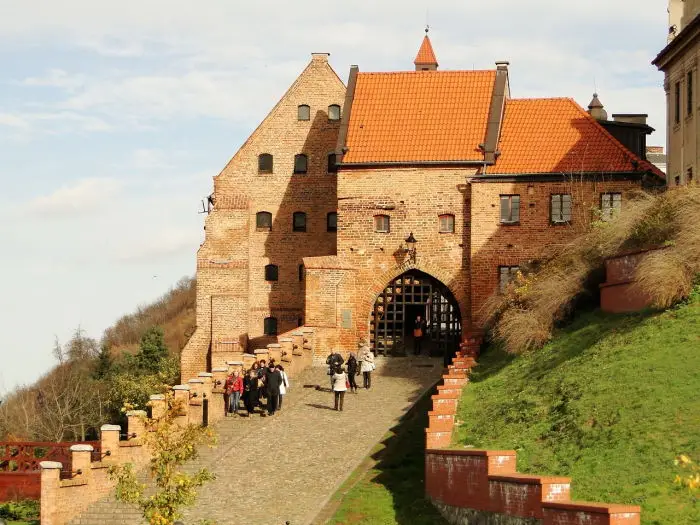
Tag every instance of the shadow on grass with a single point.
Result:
(399, 470)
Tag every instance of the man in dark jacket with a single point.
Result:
(273, 380)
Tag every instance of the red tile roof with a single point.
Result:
(425, 55)
(558, 136)
(419, 116)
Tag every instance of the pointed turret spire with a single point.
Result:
(596, 109)
(425, 59)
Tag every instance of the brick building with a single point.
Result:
(314, 218)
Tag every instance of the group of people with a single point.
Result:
(263, 381)
(343, 379)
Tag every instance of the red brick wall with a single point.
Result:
(494, 244)
(619, 293)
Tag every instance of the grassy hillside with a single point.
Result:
(610, 401)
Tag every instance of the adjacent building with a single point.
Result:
(679, 62)
(353, 209)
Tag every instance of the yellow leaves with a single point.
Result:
(691, 481)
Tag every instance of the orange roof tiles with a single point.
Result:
(419, 116)
(557, 136)
(425, 55)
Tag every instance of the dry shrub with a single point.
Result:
(524, 316)
(665, 277)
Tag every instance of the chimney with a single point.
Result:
(631, 118)
(596, 109)
(320, 57)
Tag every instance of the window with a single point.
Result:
(263, 221)
(506, 275)
(302, 271)
(677, 180)
(301, 162)
(677, 103)
(332, 163)
(332, 222)
(610, 205)
(299, 221)
(689, 93)
(381, 223)
(300, 322)
(334, 112)
(271, 272)
(689, 176)
(560, 209)
(304, 112)
(446, 223)
(264, 163)
(510, 209)
(270, 326)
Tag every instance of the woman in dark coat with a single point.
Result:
(352, 372)
(250, 391)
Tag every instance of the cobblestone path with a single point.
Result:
(284, 468)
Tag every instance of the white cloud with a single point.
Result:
(85, 197)
(56, 78)
(157, 244)
(14, 121)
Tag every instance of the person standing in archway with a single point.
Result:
(419, 329)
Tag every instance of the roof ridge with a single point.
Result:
(436, 72)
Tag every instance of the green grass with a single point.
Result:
(610, 402)
(389, 488)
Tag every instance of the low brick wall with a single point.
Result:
(483, 487)
(619, 293)
(204, 404)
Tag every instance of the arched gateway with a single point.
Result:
(410, 294)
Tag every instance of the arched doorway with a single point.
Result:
(396, 307)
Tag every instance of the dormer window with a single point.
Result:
(334, 112)
(303, 112)
(264, 163)
(301, 162)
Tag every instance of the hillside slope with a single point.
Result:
(610, 401)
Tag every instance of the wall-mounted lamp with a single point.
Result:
(410, 249)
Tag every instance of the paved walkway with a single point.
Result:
(284, 468)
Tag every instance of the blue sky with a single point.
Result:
(114, 117)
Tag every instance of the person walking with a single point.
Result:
(340, 386)
(419, 329)
(283, 386)
(234, 389)
(333, 361)
(250, 389)
(353, 370)
(367, 365)
(273, 381)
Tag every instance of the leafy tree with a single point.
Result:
(152, 350)
(104, 364)
(171, 446)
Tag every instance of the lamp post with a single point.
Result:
(411, 247)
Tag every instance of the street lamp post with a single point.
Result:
(410, 249)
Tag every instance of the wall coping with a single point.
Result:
(181, 387)
(196, 381)
(138, 413)
(260, 351)
(598, 508)
(235, 362)
(530, 479)
(205, 374)
(220, 369)
(469, 452)
(110, 428)
(286, 340)
(81, 448)
(157, 397)
(634, 252)
(50, 465)
(274, 345)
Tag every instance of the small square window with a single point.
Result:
(677, 103)
(447, 223)
(270, 326)
(263, 221)
(265, 163)
(302, 272)
(381, 223)
(506, 275)
(689, 176)
(510, 209)
(334, 112)
(332, 163)
(560, 208)
(304, 112)
(610, 205)
(301, 163)
(271, 272)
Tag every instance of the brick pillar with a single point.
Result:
(158, 406)
(181, 395)
(216, 404)
(298, 350)
(308, 335)
(136, 424)
(50, 485)
(81, 462)
(274, 350)
(109, 442)
(261, 353)
(287, 357)
(196, 409)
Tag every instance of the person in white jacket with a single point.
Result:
(366, 364)
(340, 386)
(284, 386)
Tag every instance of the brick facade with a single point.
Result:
(345, 271)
